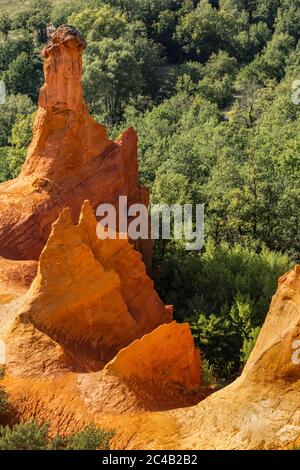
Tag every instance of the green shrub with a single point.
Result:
(90, 438)
(249, 344)
(33, 436)
(28, 436)
(3, 402)
(225, 293)
(4, 169)
(208, 374)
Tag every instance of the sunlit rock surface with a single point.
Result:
(69, 160)
(84, 337)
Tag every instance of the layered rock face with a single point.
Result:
(137, 289)
(260, 410)
(156, 372)
(84, 337)
(65, 135)
(82, 333)
(86, 293)
(69, 160)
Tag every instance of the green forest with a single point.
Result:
(210, 87)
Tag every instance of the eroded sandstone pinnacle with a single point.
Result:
(64, 34)
(70, 159)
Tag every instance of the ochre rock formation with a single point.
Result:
(15, 278)
(153, 357)
(72, 335)
(69, 160)
(137, 289)
(260, 410)
(46, 389)
(75, 301)
(84, 336)
(163, 363)
(84, 299)
(271, 360)
(67, 320)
